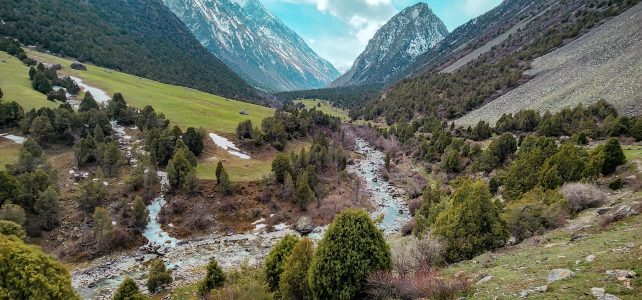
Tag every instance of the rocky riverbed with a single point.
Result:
(98, 279)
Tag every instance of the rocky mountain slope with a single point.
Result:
(254, 43)
(606, 63)
(138, 37)
(394, 47)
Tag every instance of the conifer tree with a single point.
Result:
(213, 279)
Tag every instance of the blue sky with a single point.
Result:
(339, 30)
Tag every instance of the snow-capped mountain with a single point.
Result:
(396, 44)
(254, 43)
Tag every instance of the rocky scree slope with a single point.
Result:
(394, 47)
(254, 43)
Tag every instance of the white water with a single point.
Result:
(14, 138)
(99, 95)
(228, 146)
(156, 236)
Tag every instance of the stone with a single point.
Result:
(609, 297)
(523, 294)
(603, 210)
(484, 280)
(559, 274)
(624, 211)
(621, 275)
(590, 258)
(597, 292)
(579, 236)
(304, 225)
(78, 66)
(541, 289)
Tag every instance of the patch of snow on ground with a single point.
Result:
(99, 95)
(228, 146)
(14, 138)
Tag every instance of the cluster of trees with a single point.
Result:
(347, 97)
(11, 113)
(12, 47)
(298, 173)
(160, 48)
(100, 149)
(289, 122)
(44, 79)
(28, 194)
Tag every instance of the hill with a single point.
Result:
(138, 37)
(603, 64)
(253, 42)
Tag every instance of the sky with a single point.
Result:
(339, 30)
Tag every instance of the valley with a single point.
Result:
(203, 149)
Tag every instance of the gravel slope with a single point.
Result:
(604, 63)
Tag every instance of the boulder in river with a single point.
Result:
(304, 225)
(78, 66)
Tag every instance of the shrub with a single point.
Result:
(535, 212)
(425, 284)
(13, 212)
(616, 184)
(351, 249)
(91, 194)
(294, 279)
(213, 279)
(140, 212)
(275, 261)
(412, 254)
(21, 264)
(580, 196)
(471, 224)
(225, 186)
(11, 228)
(613, 156)
(193, 140)
(281, 166)
(128, 290)
(158, 276)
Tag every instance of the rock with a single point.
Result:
(621, 275)
(624, 211)
(523, 294)
(304, 225)
(78, 66)
(597, 292)
(590, 258)
(603, 210)
(559, 274)
(484, 280)
(541, 289)
(579, 236)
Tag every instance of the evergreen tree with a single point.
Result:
(85, 151)
(111, 160)
(179, 169)
(304, 193)
(219, 170)
(48, 208)
(225, 186)
(41, 130)
(103, 229)
(99, 134)
(472, 223)
(21, 263)
(244, 130)
(215, 278)
(128, 290)
(91, 194)
(9, 187)
(294, 278)
(351, 249)
(193, 140)
(275, 261)
(40, 83)
(613, 156)
(158, 276)
(140, 212)
(88, 103)
(281, 166)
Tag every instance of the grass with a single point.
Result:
(8, 152)
(633, 152)
(326, 108)
(183, 106)
(16, 86)
(526, 266)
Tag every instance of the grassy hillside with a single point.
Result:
(183, 106)
(15, 84)
(141, 37)
(326, 108)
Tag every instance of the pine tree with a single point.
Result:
(48, 208)
(140, 212)
(128, 290)
(351, 249)
(613, 156)
(193, 140)
(111, 160)
(294, 278)
(158, 276)
(225, 186)
(213, 279)
(275, 261)
(281, 166)
(103, 229)
(304, 193)
(179, 169)
(219, 170)
(88, 103)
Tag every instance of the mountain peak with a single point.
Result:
(410, 33)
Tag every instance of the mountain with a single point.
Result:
(140, 37)
(394, 47)
(254, 43)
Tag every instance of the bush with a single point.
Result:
(613, 156)
(28, 273)
(275, 261)
(13, 212)
(535, 212)
(351, 249)
(158, 276)
(425, 284)
(412, 254)
(616, 184)
(140, 212)
(580, 196)
(213, 279)
(128, 290)
(471, 224)
(193, 140)
(11, 228)
(281, 166)
(294, 279)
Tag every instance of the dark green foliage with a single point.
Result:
(11, 228)
(11, 113)
(111, 159)
(451, 161)
(42, 131)
(117, 110)
(85, 151)
(88, 103)
(348, 97)
(181, 171)
(103, 229)
(21, 263)
(471, 224)
(193, 140)
(523, 174)
(481, 131)
(128, 290)
(304, 194)
(215, 278)
(138, 37)
(225, 185)
(275, 261)
(616, 184)
(497, 153)
(91, 195)
(294, 279)
(636, 129)
(244, 130)
(219, 170)
(274, 132)
(8, 187)
(567, 165)
(158, 276)
(281, 166)
(140, 212)
(613, 156)
(535, 212)
(40, 83)
(351, 249)
(149, 119)
(47, 208)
